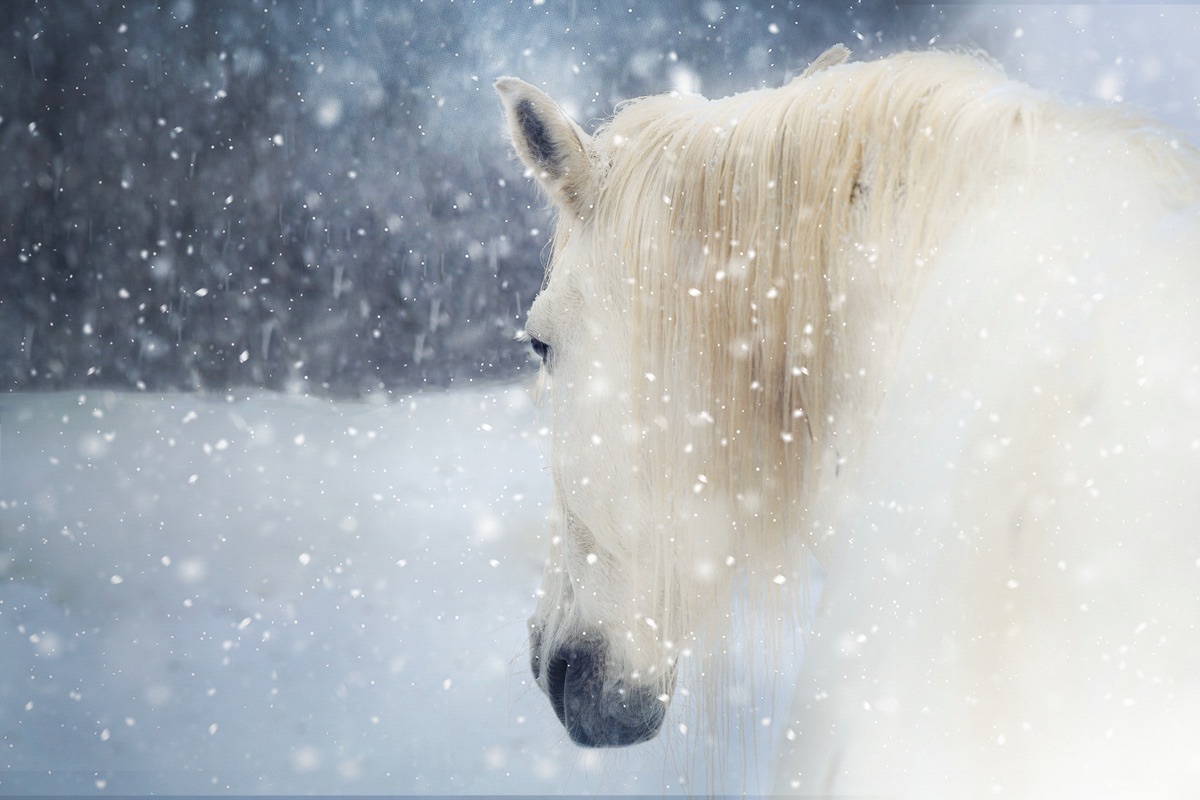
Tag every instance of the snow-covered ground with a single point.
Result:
(273, 594)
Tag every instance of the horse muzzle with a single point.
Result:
(598, 706)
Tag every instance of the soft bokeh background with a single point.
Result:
(317, 197)
(271, 474)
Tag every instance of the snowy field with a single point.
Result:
(280, 595)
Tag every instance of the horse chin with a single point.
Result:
(598, 706)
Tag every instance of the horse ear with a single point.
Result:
(830, 58)
(555, 149)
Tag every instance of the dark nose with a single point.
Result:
(597, 709)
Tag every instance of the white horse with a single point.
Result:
(936, 329)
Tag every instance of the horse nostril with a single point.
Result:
(596, 708)
(556, 686)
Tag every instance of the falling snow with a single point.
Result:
(269, 593)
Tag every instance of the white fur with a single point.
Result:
(936, 327)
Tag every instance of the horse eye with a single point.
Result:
(541, 348)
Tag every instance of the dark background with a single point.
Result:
(317, 197)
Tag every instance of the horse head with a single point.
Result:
(597, 649)
(676, 372)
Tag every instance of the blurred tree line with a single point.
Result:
(306, 196)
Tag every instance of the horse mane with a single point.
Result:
(749, 233)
